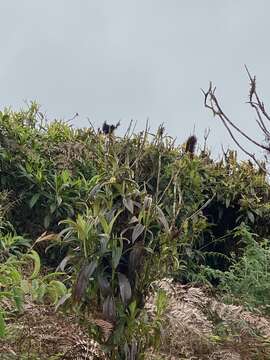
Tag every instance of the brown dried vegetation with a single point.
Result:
(200, 327)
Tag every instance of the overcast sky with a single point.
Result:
(121, 60)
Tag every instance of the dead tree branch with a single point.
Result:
(212, 103)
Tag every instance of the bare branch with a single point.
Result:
(253, 92)
(211, 102)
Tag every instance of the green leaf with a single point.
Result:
(59, 200)
(16, 276)
(161, 302)
(104, 239)
(109, 308)
(18, 298)
(63, 299)
(128, 203)
(116, 255)
(35, 257)
(59, 287)
(113, 221)
(40, 291)
(162, 219)
(135, 258)
(64, 263)
(104, 286)
(34, 200)
(138, 229)
(2, 325)
(25, 286)
(47, 221)
(83, 279)
(133, 309)
(104, 224)
(56, 290)
(251, 216)
(125, 288)
(94, 180)
(53, 207)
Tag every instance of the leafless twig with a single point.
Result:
(212, 103)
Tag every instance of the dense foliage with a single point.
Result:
(88, 221)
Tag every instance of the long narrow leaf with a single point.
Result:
(137, 231)
(128, 203)
(116, 254)
(125, 288)
(2, 325)
(109, 309)
(36, 259)
(135, 259)
(83, 279)
(162, 219)
(104, 286)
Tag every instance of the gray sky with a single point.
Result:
(123, 59)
